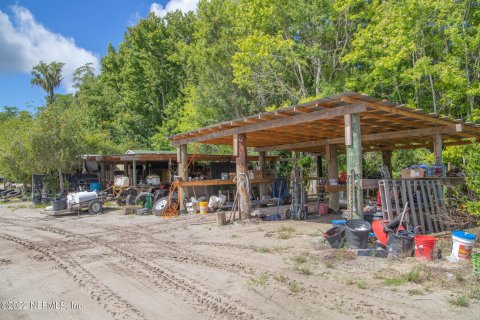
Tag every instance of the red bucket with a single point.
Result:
(424, 246)
(322, 209)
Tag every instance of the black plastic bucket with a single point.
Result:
(357, 232)
(335, 236)
(59, 204)
(401, 244)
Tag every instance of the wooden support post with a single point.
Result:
(261, 163)
(102, 176)
(134, 172)
(353, 144)
(182, 159)
(319, 166)
(242, 176)
(437, 148)
(387, 160)
(332, 168)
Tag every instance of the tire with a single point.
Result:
(288, 214)
(141, 197)
(95, 207)
(130, 200)
(159, 206)
(302, 214)
(130, 195)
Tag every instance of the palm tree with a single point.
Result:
(48, 77)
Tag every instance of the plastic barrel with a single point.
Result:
(400, 244)
(335, 236)
(357, 232)
(424, 246)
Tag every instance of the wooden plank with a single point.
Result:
(398, 207)
(403, 193)
(388, 200)
(287, 121)
(412, 202)
(381, 190)
(438, 206)
(421, 215)
(426, 206)
(218, 182)
(433, 207)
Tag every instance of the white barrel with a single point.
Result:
(121, 181)
(462, 245)
(85, 196)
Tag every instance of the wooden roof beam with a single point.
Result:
(282, 122)
(366, 138)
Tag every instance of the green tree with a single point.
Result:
(48, 77)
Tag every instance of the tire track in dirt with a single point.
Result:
(176, 283)
(104, 296)
(160, 277)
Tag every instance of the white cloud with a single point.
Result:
(173, 5)
(24, 42)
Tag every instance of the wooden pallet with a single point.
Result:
(425, 198)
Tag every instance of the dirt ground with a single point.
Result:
(114, 266)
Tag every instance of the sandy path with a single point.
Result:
(146, 267)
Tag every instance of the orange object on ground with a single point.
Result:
(378, 227)
(424, 246)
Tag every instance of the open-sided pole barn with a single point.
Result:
(347, 122)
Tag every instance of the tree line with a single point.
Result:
(237, 58)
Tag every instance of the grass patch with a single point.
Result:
(362, 285)
(294, 287)
(285, 232)
(304, 270)
(475, 293)
(280, 278)
(394, 281)
(261, 280)
(329, 264)
(261, 249)
(288, 229)
(415, 292)
(300, 259)
(459, 277)
(417, 274)
(461, 301)
(350, 282)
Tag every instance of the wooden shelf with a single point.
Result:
(219, 182)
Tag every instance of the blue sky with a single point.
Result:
(74, 32)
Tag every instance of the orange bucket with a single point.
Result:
(424, 246)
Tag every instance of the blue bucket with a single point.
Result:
(95, 186)
(338, 222)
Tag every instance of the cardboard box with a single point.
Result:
(413, 173)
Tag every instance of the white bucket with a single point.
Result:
(462, 246)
